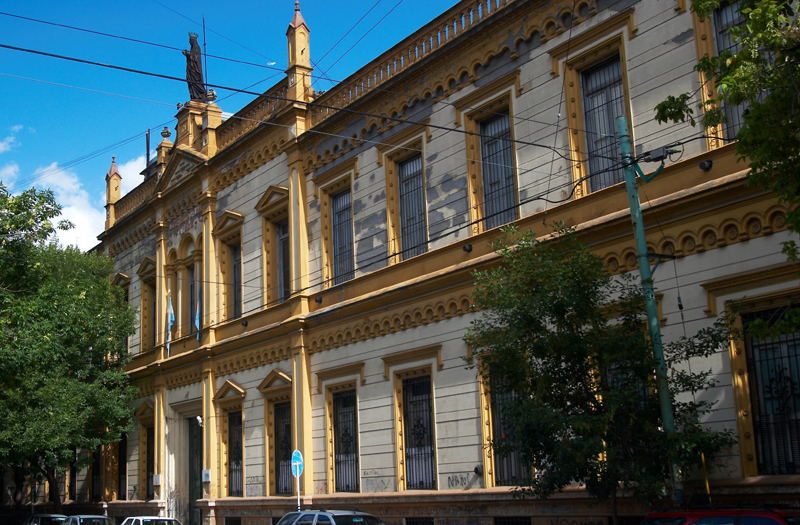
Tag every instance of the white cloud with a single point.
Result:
(77, 207)
(7, 143)
(16, 128)
(131, 174)
(9, 174)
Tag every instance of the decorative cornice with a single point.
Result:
(252, 359)
(409, 356)
(184, 377)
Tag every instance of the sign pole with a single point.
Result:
(297, 469)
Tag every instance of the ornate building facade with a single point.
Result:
(317, 251)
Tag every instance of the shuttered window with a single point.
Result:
(603, 102)
(342, 222)
(412, 207)
(497, 168)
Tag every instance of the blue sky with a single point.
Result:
(62, 121)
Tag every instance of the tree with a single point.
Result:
(763, 75)
(565, 343)
(63, 330)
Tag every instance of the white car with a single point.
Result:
(150, 520)
(45, 519)
(87, 520)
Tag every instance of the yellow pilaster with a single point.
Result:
(210, 434)
(298, 232)
(301, 415)
(210, 270)
(162, 285)
(160, 422)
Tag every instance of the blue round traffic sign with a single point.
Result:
(297, 463)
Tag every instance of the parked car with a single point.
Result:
(734, 515)
(320, 516)
(88, 520)
(45, 519)
(150, 520)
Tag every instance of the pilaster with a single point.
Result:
(301, 416)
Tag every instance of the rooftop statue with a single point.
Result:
(194, 69)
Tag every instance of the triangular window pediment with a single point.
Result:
(229, 226)
(145, 411)
(275, 379)
(230, 391)
(121, 280)
(274, 202)
(179, 166)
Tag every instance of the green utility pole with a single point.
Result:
(649, 294)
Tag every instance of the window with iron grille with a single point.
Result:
(497, 169)
(236, 279)
(420, 461)
(419, 521)
(283, 448)
(235, 454)
(284, 260)
(413, 238)
(97, 471)
(345, 440)
(603, 102)
(509, 470)
(773, 367)
(192, 298)
(122, 467)
(342, 223)
(151, 461)
(727, 16)
(513, 520)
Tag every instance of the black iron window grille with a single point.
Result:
(122, 467)
(342, 237)
(727, 16)
(284, 260)
(236, 259)
(774, 376)
(97, 472)
(151, 462)
(420, 461)
(345, 441)
(509, 470)
(412, 207)
(603, 102)
(283, 448)
(497, 168)
(235, 456)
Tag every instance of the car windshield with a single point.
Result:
(95, 521)
(159, 522)
(288, 518)
(357, 520)
(51, 520)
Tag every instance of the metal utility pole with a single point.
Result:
(649, 295)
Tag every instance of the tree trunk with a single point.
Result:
(19, 484)
(614, 517)
(55, 493)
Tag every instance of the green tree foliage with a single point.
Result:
(763, 74)
(567, 342)
(63, 330)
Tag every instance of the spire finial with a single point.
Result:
(113, 159)
(297, 5)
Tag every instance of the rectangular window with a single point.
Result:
(603, 102)
(192, 298)
(497, 168)
(235, 454)
(342, 222)
(508, 469)
(122, 468)
(412, 207)
(283, 447)
(236, 279)
(284, 261)
(345, 440)
(774, 377)
(420, 461)
(150, 446)
(727, 16)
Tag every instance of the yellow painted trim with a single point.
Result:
(574, 96)
(340, 371)
(408, 356)
(228, 227)
(399, 441)
(487, 432)
(598, 32)
(478, 96)
(330, 435)
(705, 47)
(778, 273)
